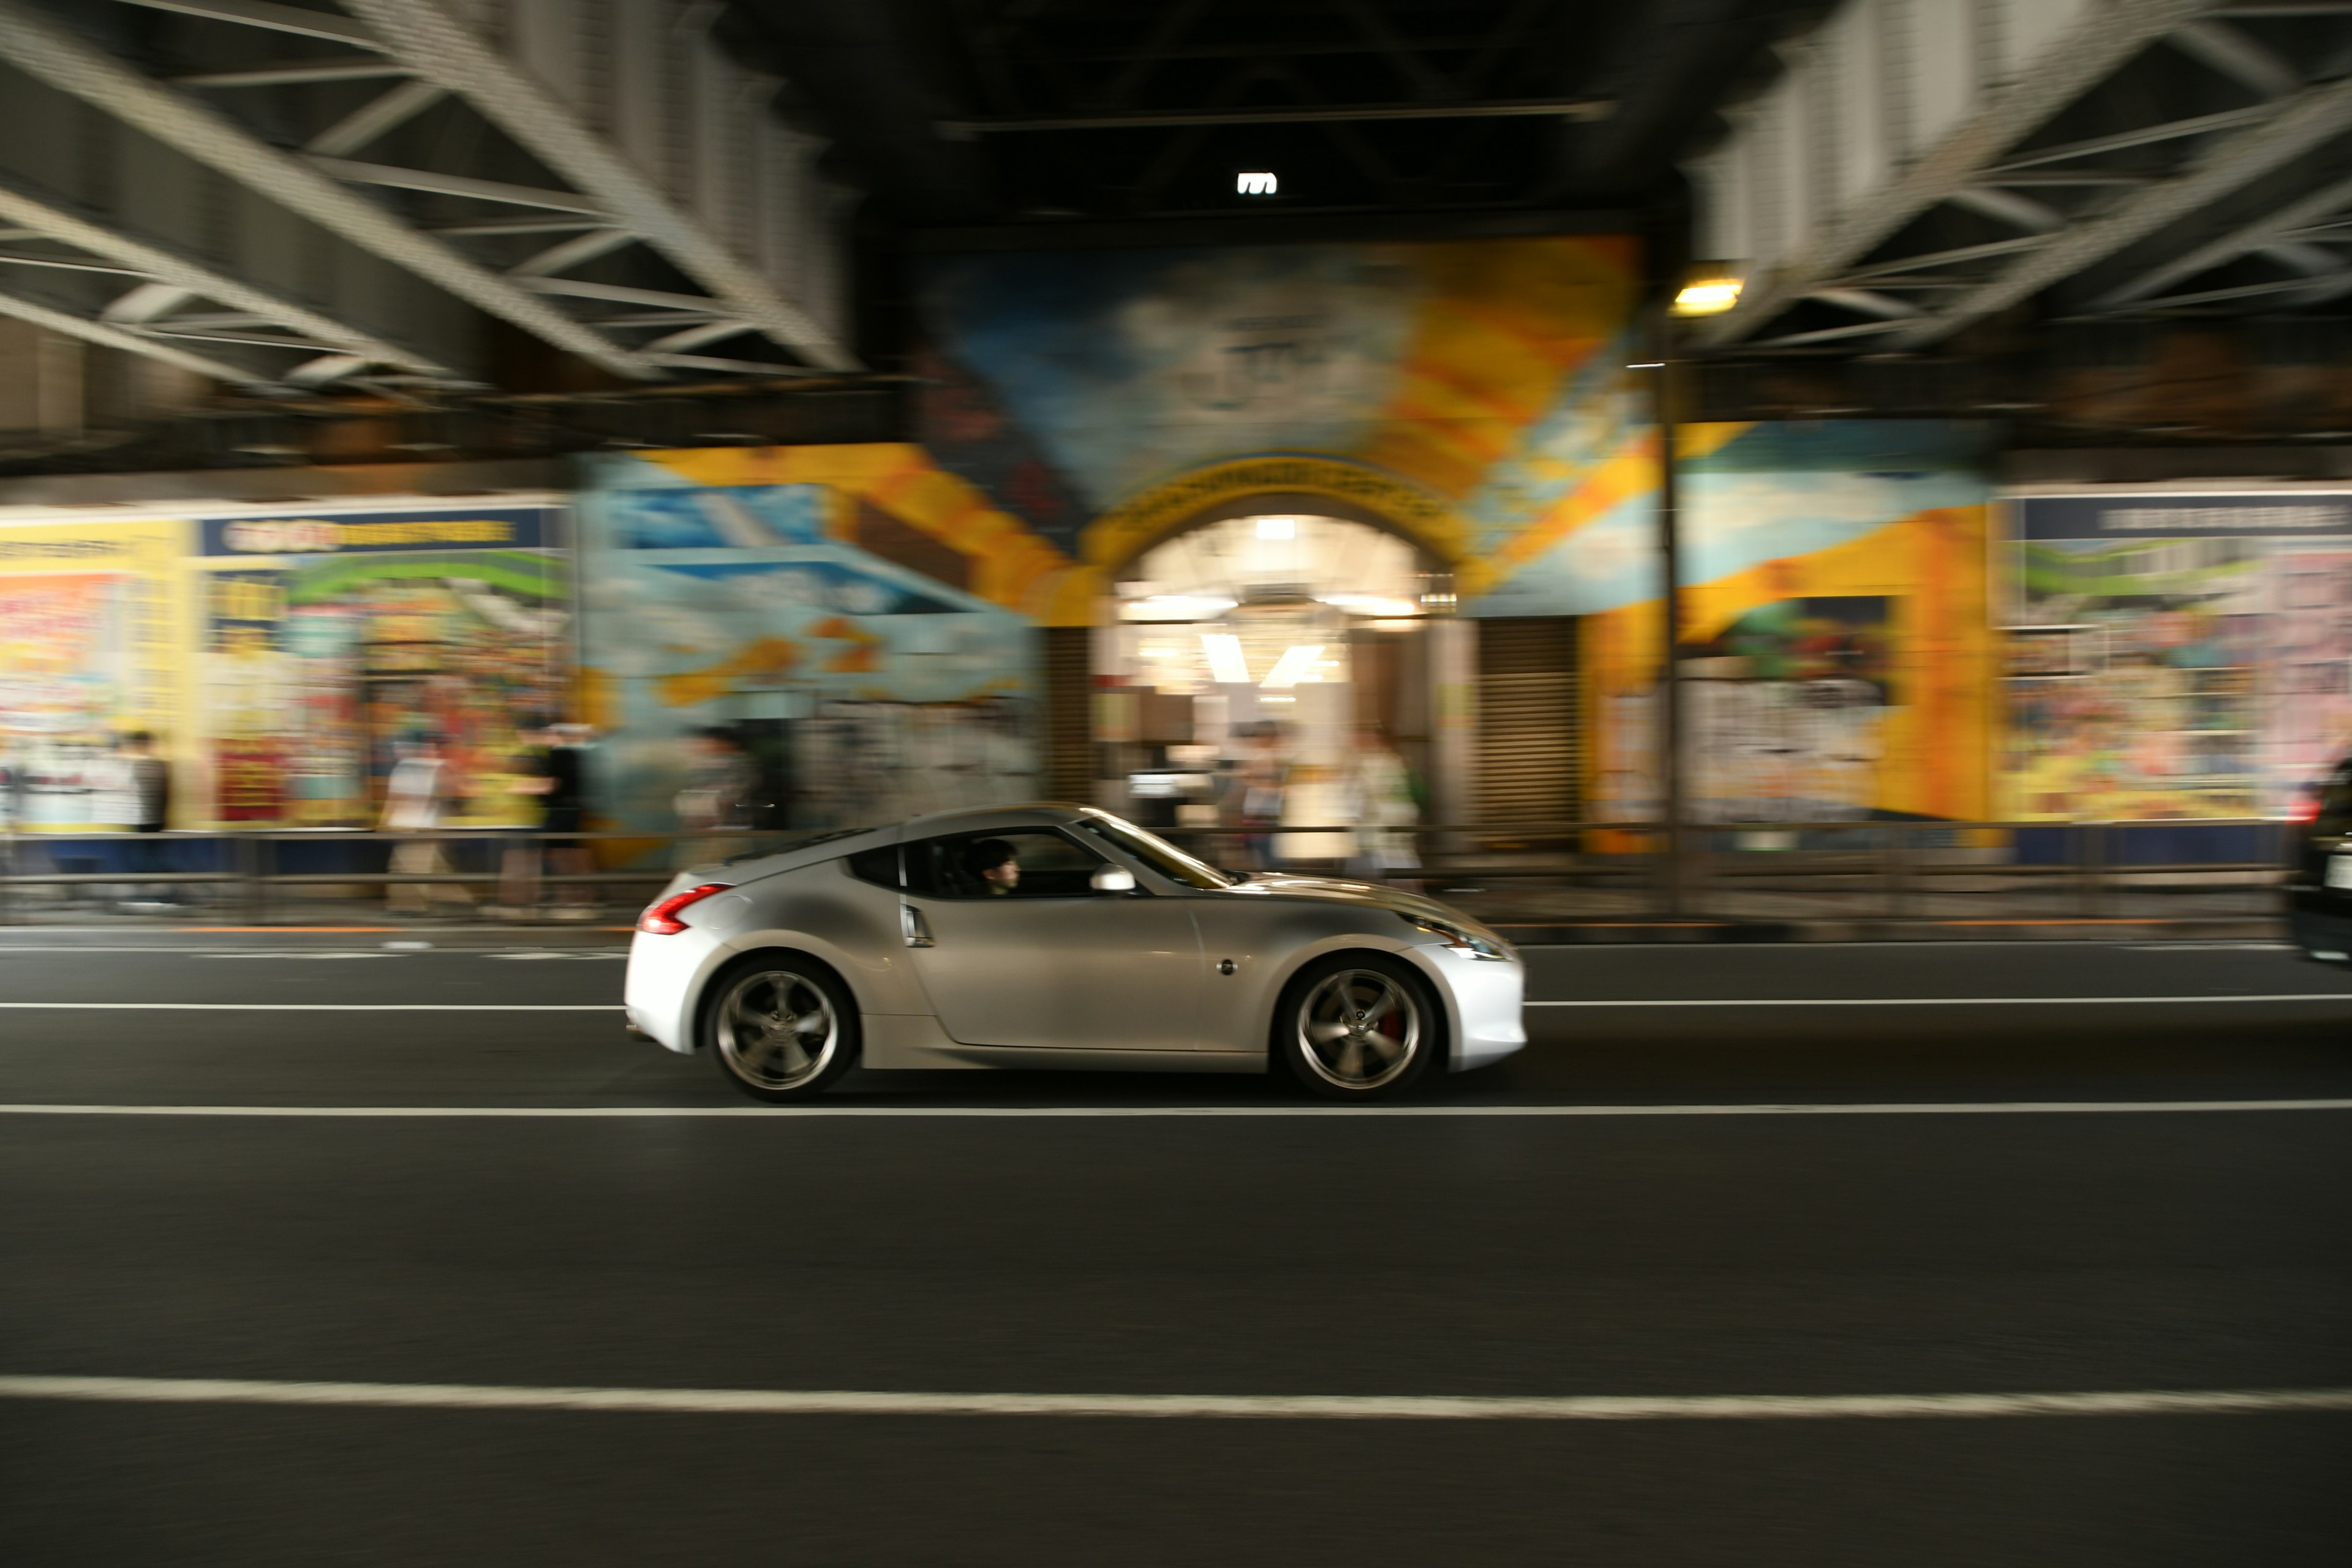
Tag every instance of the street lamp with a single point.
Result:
(1708, 289)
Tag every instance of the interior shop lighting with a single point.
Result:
(1225, 661)
(1175, 607)
(1297, 664)
(1371, 604)
(1278, 528)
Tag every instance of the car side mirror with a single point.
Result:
(1113, 879)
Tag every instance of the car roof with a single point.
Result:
(975, 815)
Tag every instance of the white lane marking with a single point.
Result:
(989, 1112)
(372, 952)
(1639, 1002)
(1212, 1406)
(2100, 944)
(317, 1006)
(569, 957)
(1947, 1001)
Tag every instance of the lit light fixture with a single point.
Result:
(1173, 608)
(1710, 289)
(1297, 664)
(1226, 664)
(1369, 605)
(1255, 184)
(1278, 528)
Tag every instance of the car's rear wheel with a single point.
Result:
(1358, 1026)
(781, 1027)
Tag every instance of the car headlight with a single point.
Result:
(1462, 940)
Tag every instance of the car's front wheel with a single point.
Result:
(1357, 1025)
(779, 1027)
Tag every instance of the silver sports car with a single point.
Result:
(1059, 936)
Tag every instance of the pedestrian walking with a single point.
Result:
(146, 805)
(715, 797)
(413, 800)
(566, 807)
(1380, 803)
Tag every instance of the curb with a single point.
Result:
(1586, 933)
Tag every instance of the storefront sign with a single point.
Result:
(2156, 514)
(329, 533)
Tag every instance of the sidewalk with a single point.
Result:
(1532, 916)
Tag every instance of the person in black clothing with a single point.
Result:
(151, 793)
(566, 770)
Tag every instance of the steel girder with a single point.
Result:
(1891, 108)
(2313, 117)
(2281, 227)
(505, 185)
(2094, 197)
(445, 52)
(134, 294)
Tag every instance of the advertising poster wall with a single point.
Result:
(782, 608)
(2173, 654)
(88, 643)
(328, 640)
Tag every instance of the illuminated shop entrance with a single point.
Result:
(1258, 653)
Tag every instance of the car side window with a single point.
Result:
(877, 866)
(1011, 863)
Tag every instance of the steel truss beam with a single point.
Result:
(98, 332)
(595, 201)
(442, 50)
(2309, 119)
(1319, 114)
(150, 316)
(33, 43)
(2098, 41)
(2286, 226)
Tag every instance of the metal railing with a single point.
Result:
(1543, 870)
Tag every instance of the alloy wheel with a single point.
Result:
(777, 1030)
(1358, 1029)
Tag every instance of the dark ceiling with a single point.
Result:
(1425, 109)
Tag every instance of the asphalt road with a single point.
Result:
(1659, 1199)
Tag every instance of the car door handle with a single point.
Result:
(911, 921)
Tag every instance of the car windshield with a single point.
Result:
(1156, 852)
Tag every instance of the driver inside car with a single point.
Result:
(993, 861)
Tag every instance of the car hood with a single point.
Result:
(1276, 884)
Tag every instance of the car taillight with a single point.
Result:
(661, 920)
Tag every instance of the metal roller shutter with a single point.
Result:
(1067, 760)
(1529, 742)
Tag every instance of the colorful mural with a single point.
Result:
(749, 591)
(1837, 644)
(1472, 395)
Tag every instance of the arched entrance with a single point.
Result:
(1245, 660)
